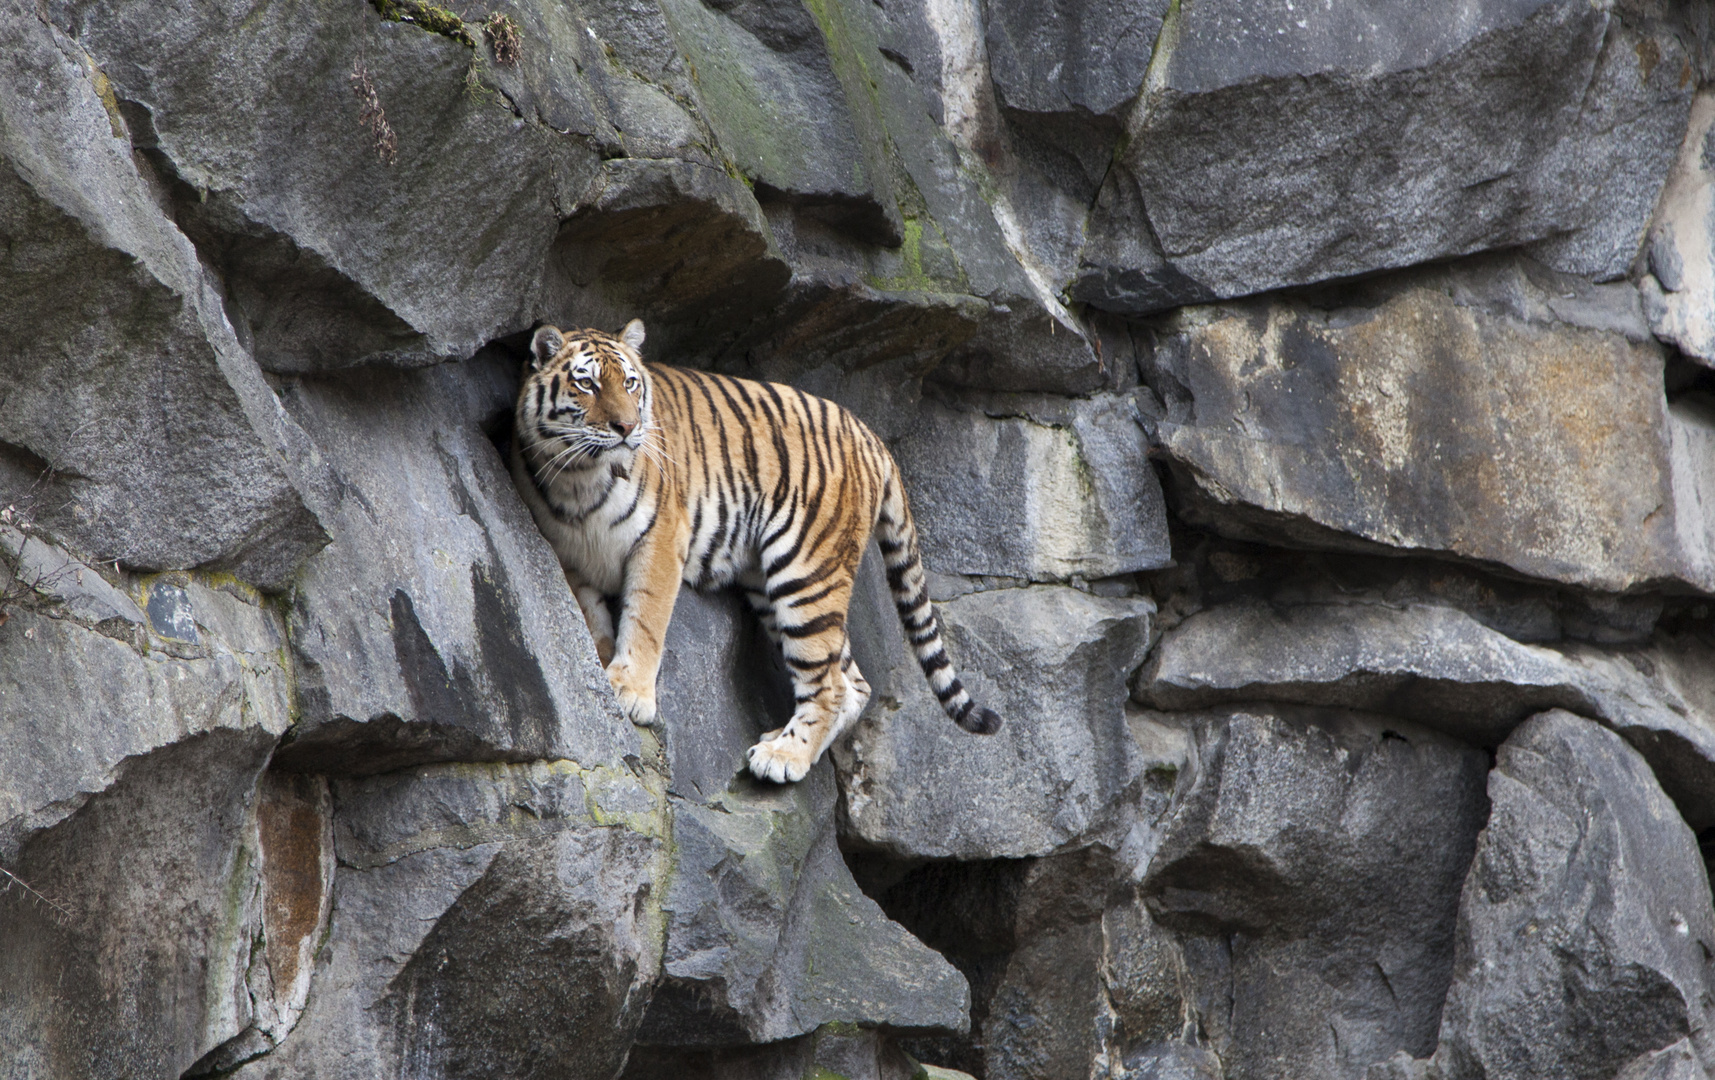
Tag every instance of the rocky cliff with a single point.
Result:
(1308, 405)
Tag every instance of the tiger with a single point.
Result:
(643, 475)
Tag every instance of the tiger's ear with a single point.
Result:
(632, 335)
(544, 346)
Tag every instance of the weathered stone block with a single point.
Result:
(1036, 488)
(438, 626)
(1053, 662)
(1585, 929)
(1445, 414)
(1312, 866)
(1330, 140)
(134, 427)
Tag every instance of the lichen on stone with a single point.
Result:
(436, 20)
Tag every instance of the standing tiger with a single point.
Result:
(641, 475)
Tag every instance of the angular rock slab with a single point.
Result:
(437, 626)
(1467, 423)
(342, 247)
(1328, 141)
(1034, 488)
(1053, 661)
(128, 954)
(135, 426)
(1679, 292)
(488, 921)
(1442, 668)
(1585, 930)
(1312, 866)
(768, 935)
(77, 704)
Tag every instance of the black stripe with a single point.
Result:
(896, 574)
(812, 665)
(781, 562)
(800, 601)
(952, 691)
(792, 585)
(825, 621)
(935, 661)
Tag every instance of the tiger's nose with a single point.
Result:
(624, 427)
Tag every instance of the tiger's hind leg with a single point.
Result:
(857, 691)
(813, 641)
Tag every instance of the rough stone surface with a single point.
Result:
(1037, 489)
(1333, 140)
(216, 665)
(1440, 667)
(307, 766)
(1585, 928)
(437, 626)
(1053, 662)
(1448, 413)
(1317, 909)
(128, 956)
(768, 935)
(484, 919)
(134, 424)
(1679, 291)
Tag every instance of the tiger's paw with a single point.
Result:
(636, 700)
(784, 759)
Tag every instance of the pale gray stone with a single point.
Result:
(1036, 488)
(437, 626)
(1053, 662)
(135, 426)
(1438, 413)
(488, 920)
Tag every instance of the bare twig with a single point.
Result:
(35, 897)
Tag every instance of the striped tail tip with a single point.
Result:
(980, 721)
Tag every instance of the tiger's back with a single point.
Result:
(645, 475)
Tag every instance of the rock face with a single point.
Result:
(1308, 412)
(1585, 928)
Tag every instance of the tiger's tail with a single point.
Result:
(896, 535)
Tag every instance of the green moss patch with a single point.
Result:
(436, 20)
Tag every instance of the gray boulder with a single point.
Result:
(1440, 667)
(768, 936)
(135, 426)
(1312, 867)
(437, 626)
(496, 920)
(1376, 420)
(1053, 661)
(1585, 930)
(1030, 487)
(126, 954)
(410, 233)
(1333, 140)
(77, 702)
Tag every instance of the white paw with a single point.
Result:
(783, 760)
(637, 702)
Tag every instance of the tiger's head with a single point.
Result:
(586, 396)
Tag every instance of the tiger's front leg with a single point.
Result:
(651, 588)
(814, 645)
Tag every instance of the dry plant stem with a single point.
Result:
(372, 116)
(35, 896)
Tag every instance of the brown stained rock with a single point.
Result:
(295, 822)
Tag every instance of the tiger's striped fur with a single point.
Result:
(643, 475)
